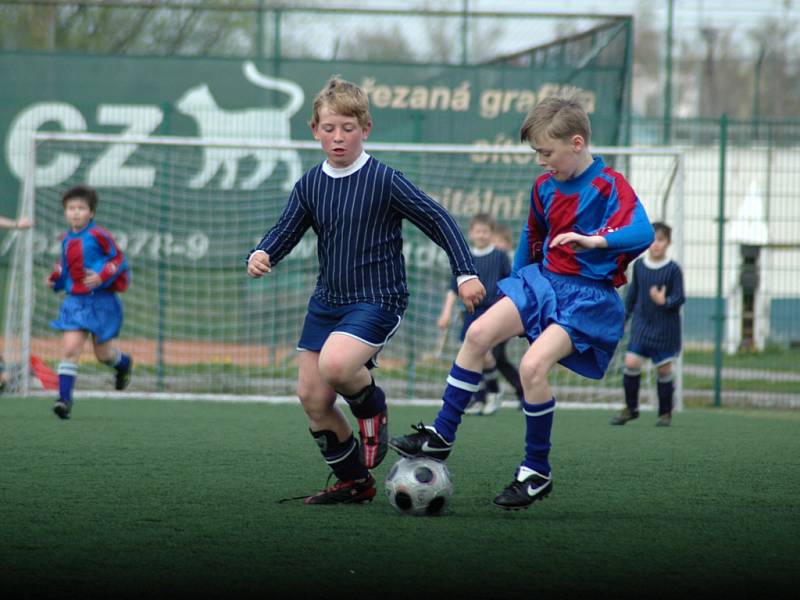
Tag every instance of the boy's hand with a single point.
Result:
(443, 322)
(24, 223)
(576, 241)
(51, 283)
(658, 294)
(259, 264)
(92, 280)
(471, 293)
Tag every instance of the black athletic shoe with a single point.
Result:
(374, 434)
(62, 409)
(664, 420)
(625, 415)
(123, 378)
(426, 442)
(345, 492)
(521, 494)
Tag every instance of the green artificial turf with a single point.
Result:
(137, 498)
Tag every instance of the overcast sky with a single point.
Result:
(690, 15)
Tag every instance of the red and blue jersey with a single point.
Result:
(90, 249)
(597, 202)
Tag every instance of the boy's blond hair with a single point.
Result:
(556, 117)
(344, 98)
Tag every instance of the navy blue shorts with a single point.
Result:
(590, 311)
(99, 313)
(365, 322)
(658, 357)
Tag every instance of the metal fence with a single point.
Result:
(742, 219)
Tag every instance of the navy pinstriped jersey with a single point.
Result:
(493, 265)
(358, 222)
(652, 325)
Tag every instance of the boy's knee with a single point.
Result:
(633, 362)
(533, 370)
(478, 338)
(315, 402)
(334, 371)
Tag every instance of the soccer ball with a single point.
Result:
(419, 486)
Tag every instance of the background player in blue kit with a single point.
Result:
(653, 303)
(493, 265)
(355, 205)
(91, 270)
(584, 227)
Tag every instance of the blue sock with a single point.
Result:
(123, 362)
(67, 372)
(461, 384)
(120, 362)
(539, 423)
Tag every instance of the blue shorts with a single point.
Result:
(365, 322)
(657, 357)
(99, 313)
(590, 311)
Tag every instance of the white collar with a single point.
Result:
(655, 264)
(483, 251)
(345, 171)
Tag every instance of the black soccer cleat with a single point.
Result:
(521, 494)
(123, 377)
(374, 433)
(426, 442)
(62, 409)
(345, 492)
(625, 415)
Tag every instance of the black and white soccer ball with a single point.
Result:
(419, 486)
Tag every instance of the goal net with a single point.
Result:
(186, 211)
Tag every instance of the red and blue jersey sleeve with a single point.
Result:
(91, 249)
(112, 264)
(598, 202)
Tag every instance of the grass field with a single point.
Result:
(144, 498)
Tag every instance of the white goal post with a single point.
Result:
(197, 326)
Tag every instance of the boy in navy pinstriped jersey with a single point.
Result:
(584, 227)
(653, 303)
(355, 205)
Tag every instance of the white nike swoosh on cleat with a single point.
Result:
(426, 447)
(534, 491)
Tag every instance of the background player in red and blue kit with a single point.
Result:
(585, 225)
(91, 270)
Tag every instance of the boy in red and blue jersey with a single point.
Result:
(91, 270)
(585, 226)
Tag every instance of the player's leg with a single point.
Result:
(666, 391)
(342, 364)
(108, 354)
(333, 435)
(499, 323)
(73, 341)
(508, 370)
(493, 400)
(631, 381)
(533, 480)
